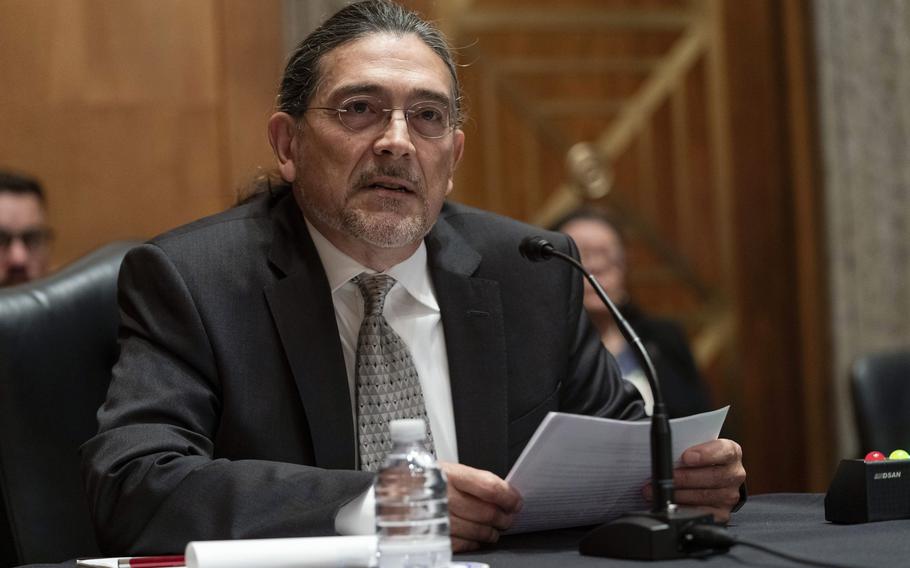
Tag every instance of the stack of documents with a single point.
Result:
(578, 470)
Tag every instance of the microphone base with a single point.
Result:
(647, 536)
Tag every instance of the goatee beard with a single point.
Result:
(382, 232)
(386, 229)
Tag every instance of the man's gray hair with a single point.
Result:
(358, 20)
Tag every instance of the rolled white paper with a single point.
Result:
(347, 551)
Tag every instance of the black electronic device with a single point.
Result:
(661, 533)
(864, 491)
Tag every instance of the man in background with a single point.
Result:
(24, 235)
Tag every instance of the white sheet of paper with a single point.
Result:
(339, 551)
(579, 470)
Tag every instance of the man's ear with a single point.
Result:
(457, 152)
(282, 130)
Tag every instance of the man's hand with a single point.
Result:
(480, 505)
(709, 478)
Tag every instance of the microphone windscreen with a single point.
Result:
(535, 248)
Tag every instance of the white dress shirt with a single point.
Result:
(412, 311)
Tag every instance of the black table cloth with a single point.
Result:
(790, 522)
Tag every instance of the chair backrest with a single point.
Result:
(881, 400)
(58, 341)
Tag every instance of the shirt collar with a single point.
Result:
(412, 273)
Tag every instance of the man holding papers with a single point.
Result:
(239, 407)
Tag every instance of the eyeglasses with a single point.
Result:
(429, 119)
(33, 239)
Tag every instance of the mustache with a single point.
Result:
(367, 176)
(15, 275)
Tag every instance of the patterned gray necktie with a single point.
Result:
(387, 384)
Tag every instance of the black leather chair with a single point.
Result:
(881, 400)
(58, 341)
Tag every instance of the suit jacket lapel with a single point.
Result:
(301, 306)
(475, 341)
(471, 309)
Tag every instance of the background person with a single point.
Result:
(24, 234)
(602, 251)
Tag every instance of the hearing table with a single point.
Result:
(793, 523)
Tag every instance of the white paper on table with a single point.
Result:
(580, 470)
(339, 551)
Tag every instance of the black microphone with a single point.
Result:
(536, 249)
(661, 533)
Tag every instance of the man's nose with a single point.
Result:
(18, 253)
(395, 138)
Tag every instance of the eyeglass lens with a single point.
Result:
(427, 118)
(33, 239)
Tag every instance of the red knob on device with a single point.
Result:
(874, 456)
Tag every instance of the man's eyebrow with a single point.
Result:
(356, 89)
(435, 96)
(372, 89)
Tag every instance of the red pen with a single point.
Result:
(133, 562)
(152, 561)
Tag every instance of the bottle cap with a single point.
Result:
(412, 430)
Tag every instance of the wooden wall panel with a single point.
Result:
(137, 116)
(761, 264)
(251, 68)
(812, 294)
(704, 250)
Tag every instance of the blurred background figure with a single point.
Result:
(603, 253)
(24, 234)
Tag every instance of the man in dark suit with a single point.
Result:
(231, 411)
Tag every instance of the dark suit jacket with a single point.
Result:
(229, 414)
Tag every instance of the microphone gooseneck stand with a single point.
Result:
(663, 532)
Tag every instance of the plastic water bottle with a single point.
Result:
(412, 509)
